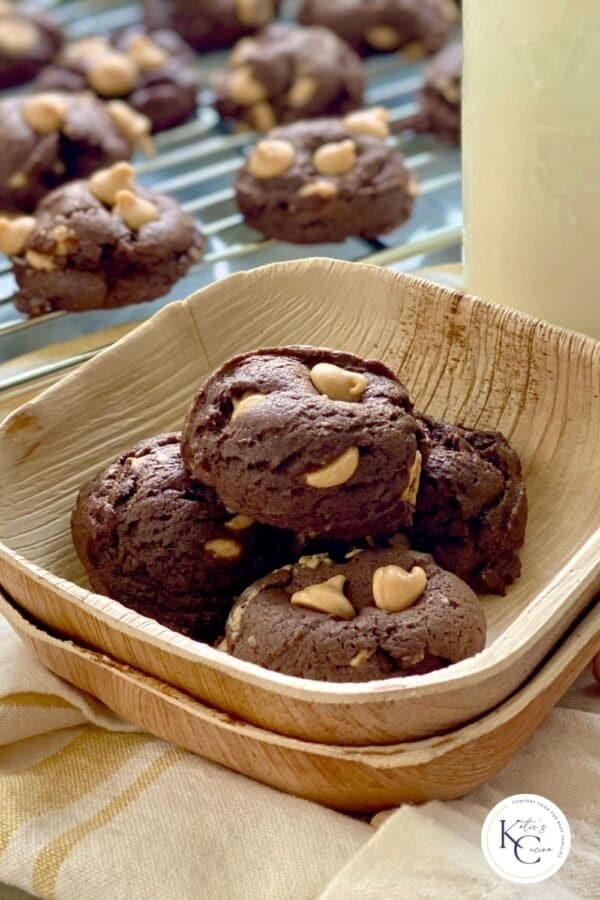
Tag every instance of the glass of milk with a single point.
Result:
(531, 144)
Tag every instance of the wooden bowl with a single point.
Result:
(363, 779)
(463, 359)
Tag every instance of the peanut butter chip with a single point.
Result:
(112, 74)
(17, 36)
(135, 211)
(241, 52)
(14, 234)
(86, 47)
(134, 126)
(334, 473)
(374, 122)
(335, 158)
(262, 115)
(271, 158)
(360, 659)
(383, 37)
(64, 240)
(245, 402)
(255, 12)
(244, 88)
(45, 112)
(146, 53)
(224, 548)
(414, 478)
(414, 51)
(106, 184)
(302, 91)
(395, 589)
(239, 523)
(325, 190)
(337, 383)
(41, 261)
(327, 597)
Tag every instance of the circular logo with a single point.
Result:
(526, 838)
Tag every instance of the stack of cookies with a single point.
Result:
(279, 524)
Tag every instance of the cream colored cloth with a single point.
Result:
(100, 812)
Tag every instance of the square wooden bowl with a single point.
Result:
(463, 359)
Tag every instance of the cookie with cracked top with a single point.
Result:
(165, 546)
(471, 509)
(210, 24)
(29, 39)
(287, 73)
(153, 72)
(441, 98)
(50, 138)
(315, 440)
(325, 180)
(378, 614)
(418, 27)
(99, 243)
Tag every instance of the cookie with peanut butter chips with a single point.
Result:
(314, 440)
(325, 180)
(151, 538)
(376, 614)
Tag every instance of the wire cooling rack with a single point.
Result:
(196, 163)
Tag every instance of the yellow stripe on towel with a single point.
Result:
(63, 777)
(51, 858)
(31, 698)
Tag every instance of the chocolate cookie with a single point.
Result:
(325, 180)
(210, 24)
(100, 243)
(287, 73)
(165, 546)
(49, 138)
(379, 614)
(153, 72)
(29, 39)
(307, 439)
(472, 505)
(417, 26)
(440, 99)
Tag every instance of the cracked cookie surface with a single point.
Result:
(472, 505)
(315, 440)
(210, 24)
(154, 540)
(84, 252)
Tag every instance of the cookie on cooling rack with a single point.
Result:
(324, 180)
(309, 439)
(440, 98)
(378, 614)
(210, 24)
(287, 73)
(49, 138)
(418, 27)
(153, 72)
(472, 505)
(154, 540)
(99, 243)
(29, 39)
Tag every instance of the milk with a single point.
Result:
(531, 138)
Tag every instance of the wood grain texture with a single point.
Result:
(347, 778)
(462, 359)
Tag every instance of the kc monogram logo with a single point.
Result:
(526, 838)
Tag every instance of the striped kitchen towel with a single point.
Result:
(92, 810)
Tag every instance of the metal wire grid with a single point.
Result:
(196, 163)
